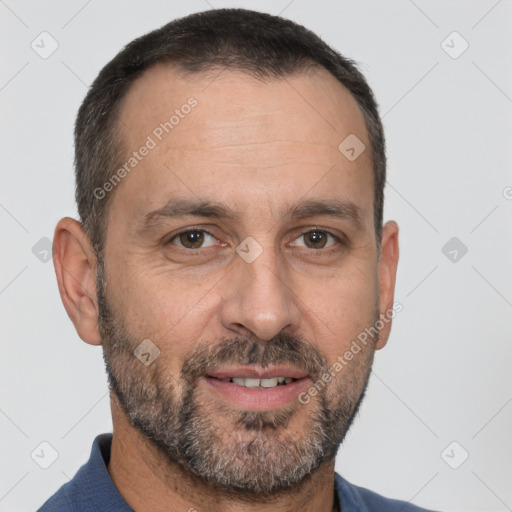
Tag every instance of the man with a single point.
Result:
(232, 261)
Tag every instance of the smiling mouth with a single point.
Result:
(256, 388)
(249, 382)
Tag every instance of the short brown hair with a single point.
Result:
(260, 44)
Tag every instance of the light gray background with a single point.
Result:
(445, 374)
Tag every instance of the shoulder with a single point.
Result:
(69, 498)
(359, 499)
(91, 489)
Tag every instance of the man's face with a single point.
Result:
(249, 159)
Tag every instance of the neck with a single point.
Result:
(148, 481)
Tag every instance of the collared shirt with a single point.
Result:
(92, 490)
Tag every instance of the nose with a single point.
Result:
(260, 300)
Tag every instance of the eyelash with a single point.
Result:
(338, 239)
(188, 230)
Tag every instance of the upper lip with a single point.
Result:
(255, 372)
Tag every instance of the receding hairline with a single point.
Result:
(212, 72)
(256, 44)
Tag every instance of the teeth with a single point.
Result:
(251, 383)
(257, 383)
(268, 383)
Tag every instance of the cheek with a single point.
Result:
(349, 373)
(342, 307)
(171, 312)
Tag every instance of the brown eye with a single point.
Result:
(194, 239)
(316, 239)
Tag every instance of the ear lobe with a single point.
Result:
(387, 267)
(75, 267)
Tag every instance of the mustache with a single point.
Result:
(281, 349)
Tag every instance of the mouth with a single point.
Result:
(252, 388)
(269, 382)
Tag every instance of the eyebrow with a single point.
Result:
(177, 208)
(335, 208)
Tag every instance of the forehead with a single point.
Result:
(315, 96)
(223, 133)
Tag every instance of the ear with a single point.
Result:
(75, 267)
(387, 265)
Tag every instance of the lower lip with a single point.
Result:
(258, 399)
